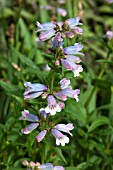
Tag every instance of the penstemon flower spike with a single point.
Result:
(54, 96)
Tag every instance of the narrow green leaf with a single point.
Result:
(102, 120)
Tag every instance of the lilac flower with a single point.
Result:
(64, 83)
(47, 30)
(72, 23)
(57, 41)
(109, 35)
(41, 135)
(69, 34)
(61, 12)
(58, 168)
(47, 166)
(25, 163)
(70, 65)
(68, 92)
(53, 107)
(73, 49)
(43, 113)
(33, 90)
(45, 26)
(29, 117)
(60, 138)
(73, 58)
(46, 35)
(65, 128)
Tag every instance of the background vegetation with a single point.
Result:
(22, 58)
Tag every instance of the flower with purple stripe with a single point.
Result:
(53, 106)
(60, 138)
(68, 92)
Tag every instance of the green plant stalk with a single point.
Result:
(52, 83)
(99, 77)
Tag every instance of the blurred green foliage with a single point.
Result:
(22, 58)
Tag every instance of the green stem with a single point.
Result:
(95, 87)
(52, 83)
(43, 153)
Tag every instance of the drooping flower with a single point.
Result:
(73, 49)
(70, 65)
(64, 83)
(65, 128)
(70, 62)
(33, 90)
(68, 92)
(46, 35)
(54, 107)
(73, 24)
(57, 41)
(41, 135)
(61, 12)
(44, 27)
(60, 138)
(47, 30)
(29, 117)
(109, 35)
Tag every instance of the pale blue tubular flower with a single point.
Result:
(46, 35)
(68, 92)
(45, 26)
(29, 117)
(65, 128)
(109, 35)
(47, 166)
(33, 90)
(69, 65)
(41, 135)
(47, 30)
(60, 138)
(53, 106)
(58, 168)
(73, 23)
(61, 12)
(73, 49)
(64, 83)
(57, 41)
(43, 113)
(73, 58)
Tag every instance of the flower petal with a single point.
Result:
(29, 128)
(29, 117)
(41, 135)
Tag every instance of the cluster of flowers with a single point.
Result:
(48, 166)
(55, 98)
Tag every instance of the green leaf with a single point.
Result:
(76, 111)
(104, 61)
(23, 59)
(59, 152)
(102, 120)
(10, 88)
